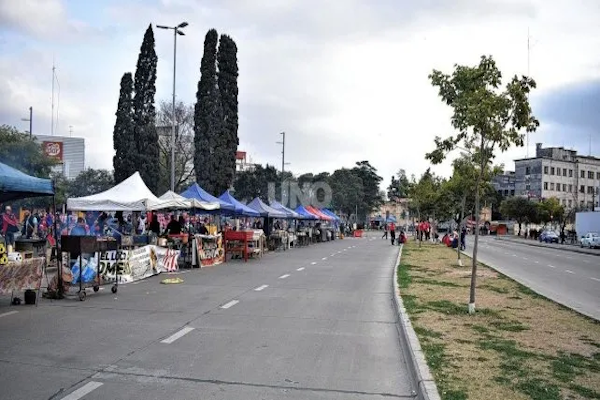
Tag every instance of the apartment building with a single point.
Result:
(561, 173)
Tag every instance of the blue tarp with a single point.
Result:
(305, 213)
(240, 208)
(288, 211)
(391, 219)
(331, 214)
(15, 185)
(266, 210)
(196, 192)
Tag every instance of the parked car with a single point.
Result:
(549, 237)
(591, 240)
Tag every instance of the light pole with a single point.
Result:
(283, 164)
(30, 119)
(176, 31)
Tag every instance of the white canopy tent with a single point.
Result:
(130, 195)
(171, 200)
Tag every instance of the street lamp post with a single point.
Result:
(283, 164)
(30, 119)
(176, 31)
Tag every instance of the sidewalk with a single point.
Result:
(565, 247)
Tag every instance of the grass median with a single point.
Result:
(518, 345)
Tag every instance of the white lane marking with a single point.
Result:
(177, 335)
(324, 258)
(300, 269)
(596, 279)
(569, 271)
(525, 258)
(284, 276)
(82, 391)
(6, 314)
(313, 263)
(551, 266)
(230, 304)
(331, 255)
(262, 287)
(514, 255)
(537, 262)
(353, 247)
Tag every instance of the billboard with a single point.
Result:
(53, 150)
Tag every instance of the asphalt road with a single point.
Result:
(569, 278)
(309, 323)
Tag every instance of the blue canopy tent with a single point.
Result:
(305, 213)
(288, 211)
(196, 192)
(391, 219)
(239, 207)
(331, 214)
(15, 185)
(266, 210)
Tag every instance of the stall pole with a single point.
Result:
(59, 289)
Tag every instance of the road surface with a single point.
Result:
(308, 323)
(569, 278)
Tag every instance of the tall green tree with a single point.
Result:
(145, 135)
(372, 198)
(255, 183)
(228, 89)
(208, 120)
(398, 188)
(347, 191)
(20, 151)
(487, 118)
(90, 181)
(521, 209)
(124, 161)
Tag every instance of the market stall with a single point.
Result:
(278, 237)
(22, 271)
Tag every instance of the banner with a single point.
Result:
(53, 150)
(209, 250)
(133, 265)
(21, 276)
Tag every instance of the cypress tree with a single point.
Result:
(228, 89)
(208, 119)
(123, 134)
(146, 137)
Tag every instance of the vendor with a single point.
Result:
(9, 226)
(79, 228)
(174, 226)
(202, 229)
(155, 225)
(30, 223)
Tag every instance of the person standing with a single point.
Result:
(29, 224)
(393, 233)
(10, 226)
(385, 231)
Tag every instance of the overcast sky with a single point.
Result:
(346, 79)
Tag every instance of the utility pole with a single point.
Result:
(30, 119)
(528, 61)
(176, 31)
(283, 164)
(52, 119)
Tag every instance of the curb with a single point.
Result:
(417, 366)
(571, 248)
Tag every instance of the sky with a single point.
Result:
(346, 80)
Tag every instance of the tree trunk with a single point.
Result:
(476, 242)
(460, 222)
(519, 228)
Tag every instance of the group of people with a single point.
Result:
(30, 226)
(391, 229)
(454, 240)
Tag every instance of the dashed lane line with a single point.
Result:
(313, 263)
(262, 287)
(82, 391)
(300, 269)
(177, 335)
(230, 304)
(568, 271)
(284, 276)
(6, 314)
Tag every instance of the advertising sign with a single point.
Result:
(17, 276)
(210, 250)
(140, 263)
(53, 150)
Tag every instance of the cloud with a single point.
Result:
(346, 80)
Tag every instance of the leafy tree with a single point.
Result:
(486, 118)
(124, 161)
(90, 181)
(371, 199)
(146, 138)
(347, 191)
(398, 188)
(255, 183)
(20, 151)
(184, 145)
(425, 196)
(228, 90)
(208, 120)
(550, 210)
(520, 209)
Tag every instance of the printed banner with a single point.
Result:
(133, 265)
(21, 276)
(209, 250)
(53, 150)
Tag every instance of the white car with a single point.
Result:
(591, 240)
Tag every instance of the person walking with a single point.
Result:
(393, 233)
(385, 231)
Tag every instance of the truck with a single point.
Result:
(586, 222)
(591, 240)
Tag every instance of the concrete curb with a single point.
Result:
(571, 248)
(409, 342)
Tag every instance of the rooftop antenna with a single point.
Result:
(528, 61)
(71, 130)
(52, 119)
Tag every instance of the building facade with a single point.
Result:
(505, 183)
(243, 162)
(69, 152)
(561, 173)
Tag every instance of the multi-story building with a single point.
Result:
(561, 173)
(242, 162)
(505, 183)
(69, 152)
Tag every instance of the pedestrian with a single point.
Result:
(385, 231)
(393, 233)
(463, 238)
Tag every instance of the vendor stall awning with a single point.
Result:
(305, 213)
(331, 214)
(266, 210)
(130, 195)
(196, 192)
(318, 213)
(288, 211)
(171, 200)
(240, 208)
(15, 185)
